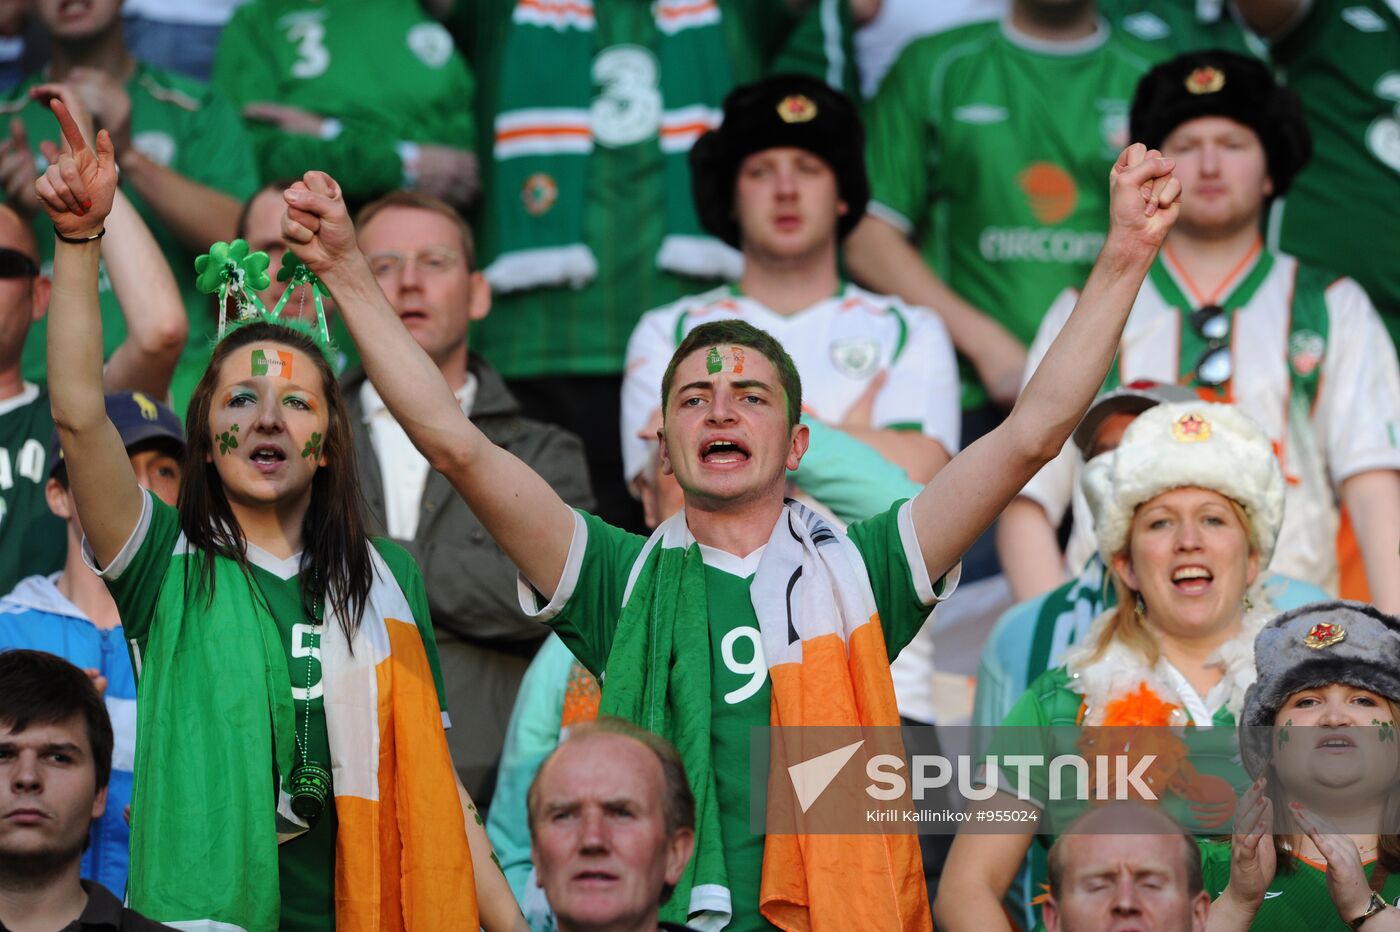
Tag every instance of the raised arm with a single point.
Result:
(156, 326)
(77, 194)
(967, 495)
(528, 519)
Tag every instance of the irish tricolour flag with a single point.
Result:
(278, 363)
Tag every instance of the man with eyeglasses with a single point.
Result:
(1300, 350)
(422, 254)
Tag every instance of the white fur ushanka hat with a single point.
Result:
(1188, 443)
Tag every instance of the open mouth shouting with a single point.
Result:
(1335, 741)
(723, 451)
(1192, 580)
(267, 457)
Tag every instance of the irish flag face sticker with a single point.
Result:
(277, 363)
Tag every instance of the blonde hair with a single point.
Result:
(1129, 628)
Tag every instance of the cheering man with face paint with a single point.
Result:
(691, 630)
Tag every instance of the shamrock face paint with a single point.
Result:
(268, 430)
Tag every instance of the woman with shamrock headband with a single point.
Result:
(1186, 511)
(291, 766)
(1317, 837)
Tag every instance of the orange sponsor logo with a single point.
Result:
(1050, 191)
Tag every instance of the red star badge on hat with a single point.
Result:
(1191, 428)
(1205, 80)
(797, 108)
(1324, 635)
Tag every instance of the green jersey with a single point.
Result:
(306, 862)
(591, 597)
(1171, 27)
(566, 331)
(381, 70)
(1343, 59)
(32, 538)
(991, 150)
(187, 127)
(1297, 900)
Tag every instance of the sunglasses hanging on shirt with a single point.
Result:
(15, 264)
(1214, 366)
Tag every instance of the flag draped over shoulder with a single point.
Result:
(216, 725)
(829, 666)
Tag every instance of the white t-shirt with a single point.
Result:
(1354, 426)
(838, 345)
(403, 468)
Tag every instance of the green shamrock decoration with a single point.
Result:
(231, 265)
(1387, 729)
(312, 450)
(295, 271)
(228, 440)
(1283, 734)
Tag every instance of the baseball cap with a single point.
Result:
(1133, 398)
(138, 419)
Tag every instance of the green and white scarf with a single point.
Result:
(549, 121)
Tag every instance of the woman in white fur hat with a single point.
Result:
(1317, 838)
(1187, 511)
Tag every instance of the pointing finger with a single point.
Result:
(72, 136)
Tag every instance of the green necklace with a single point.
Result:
(310, 783)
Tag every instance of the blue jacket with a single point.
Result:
(36, 616)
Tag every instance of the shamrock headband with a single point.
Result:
(229, 269)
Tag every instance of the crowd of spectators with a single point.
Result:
(659, 368)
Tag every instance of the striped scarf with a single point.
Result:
(204, 843)
(549, 121)
(829, 667)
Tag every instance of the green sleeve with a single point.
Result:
(901, 140)
(137, 573)
(591, 595)
(848, 475)
(410, 580)
(822, 44)
(362, 158)
(1215, 865)
(217, 151)
(903, 594)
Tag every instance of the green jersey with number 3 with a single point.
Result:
(992, 150)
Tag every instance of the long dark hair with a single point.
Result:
(335, 560)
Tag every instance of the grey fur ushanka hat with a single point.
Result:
(1351, 643)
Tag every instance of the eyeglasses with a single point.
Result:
(15, 264)
(432, 261)
(1214, 367)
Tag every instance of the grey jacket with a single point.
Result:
(485, 641)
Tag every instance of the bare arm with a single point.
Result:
(965, 497)
(978, 873)
(1270, 18)
(1372, 501)
(527, 518)
(495, 903)
(881, 257)
(156, 326)
(919, 456)
(1028, 549)
(77, 193)
(197, 214)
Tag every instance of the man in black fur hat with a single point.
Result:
(783, 179)
(1300, 350)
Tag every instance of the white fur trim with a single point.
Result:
(1119, 670)
(1236, 459)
